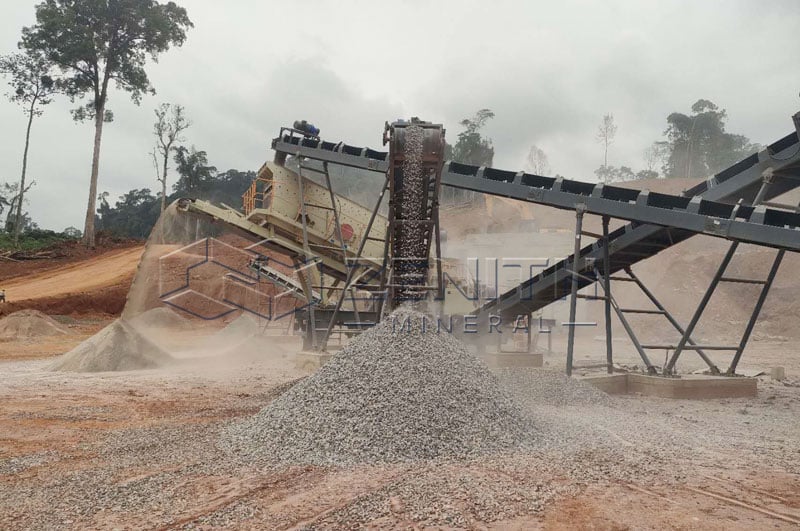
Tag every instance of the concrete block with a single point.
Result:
(688, 387)
(693, 387)
(613, 384)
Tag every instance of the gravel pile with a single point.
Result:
(392, 395)
(117, 347)
(29, 323)
(532, 387)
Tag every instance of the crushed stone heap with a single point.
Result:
(29, 323)
(391, 395)
(535, 387)
(117, 347)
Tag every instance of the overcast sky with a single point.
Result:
(549, 70)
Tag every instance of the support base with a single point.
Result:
(690, 387)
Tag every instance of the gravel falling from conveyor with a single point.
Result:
(411, 243)
(390, 396)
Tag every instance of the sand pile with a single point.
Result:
(390, 395)
(240, 328)
(29, 323)
(161, 317)
(117, 347)
(236, 333)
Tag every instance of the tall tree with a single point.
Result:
(698, 144)
(170, 122)
(96, 41)
(196, 174)
(471, 147)
(32, 88)
(606, 132)
(536, 161)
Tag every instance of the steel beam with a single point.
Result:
(573, 300)
(607, 302)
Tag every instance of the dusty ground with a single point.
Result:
(139, 450)
(84, 282)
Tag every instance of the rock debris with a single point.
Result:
(392, 395)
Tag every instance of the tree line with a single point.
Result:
(82, 49)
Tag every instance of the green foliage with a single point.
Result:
(33, 239)
(196, 175)
(227, 187)
(471, 147)
(611, 174)
(32, 88)
(10, 198)
(135, 213)
(699, 146)
(95, 41)
(32, 85)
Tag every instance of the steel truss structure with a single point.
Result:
(734, 205)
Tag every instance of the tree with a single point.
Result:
(537, 162)
(170, 123)
(94, 42)
(5, 200)
(16, 219)
(698, 145)
(611, 174)
(471, 147)
(32, 88)
(196, 176)
(72, 232)
(606, 132)
(133, 215)
(654, 156)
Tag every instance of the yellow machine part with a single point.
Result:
(279, 203)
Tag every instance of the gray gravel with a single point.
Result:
(533, 387)
(411, 245)
(391, 395)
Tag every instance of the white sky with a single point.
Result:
(549, 70)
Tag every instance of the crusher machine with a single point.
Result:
(397, 258)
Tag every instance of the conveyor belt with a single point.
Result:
(416, 154)
(679, 217)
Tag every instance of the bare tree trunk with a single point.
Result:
(164, 184)
(88, 230)
(18, 220)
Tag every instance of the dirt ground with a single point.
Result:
(80, 284)
(137, 450)
(140, 449)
